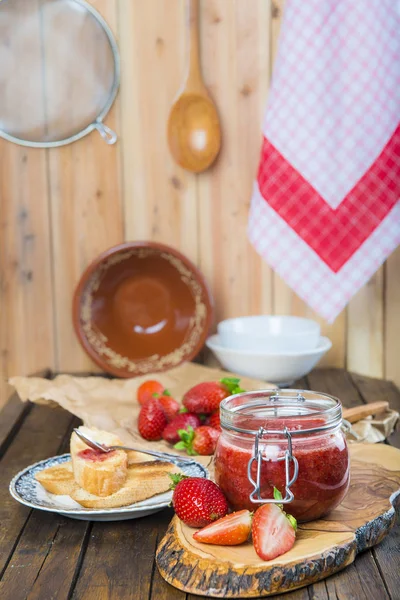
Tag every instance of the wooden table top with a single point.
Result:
(44, 556)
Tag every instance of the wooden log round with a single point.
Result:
(322, 547)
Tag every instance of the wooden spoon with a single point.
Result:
(194, 134)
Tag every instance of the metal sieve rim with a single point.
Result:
(98, 122)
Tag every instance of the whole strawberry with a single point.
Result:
(197, 501)
(147, 389)
(214, 421)
(201, 441)
(181, 421)
(152, 420)
(205, 397)
(169, 404)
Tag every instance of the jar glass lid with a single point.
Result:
(298, 411)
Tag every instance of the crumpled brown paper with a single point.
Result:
(111, 405)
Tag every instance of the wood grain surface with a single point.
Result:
(69, 550)
(59, 208)
(322, 547)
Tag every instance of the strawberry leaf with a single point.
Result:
(166, 393)
(184, 435)
(176, 478)
(232, 385)
(186, 443)
(183, 410)
(180, 445)
(191, 452)
(187, 434)
(155, 395)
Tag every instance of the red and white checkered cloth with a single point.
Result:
(325, 211)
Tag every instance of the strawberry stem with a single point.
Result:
(291, 519)
(278, 496)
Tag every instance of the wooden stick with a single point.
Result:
(360, 412)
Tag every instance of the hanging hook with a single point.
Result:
(106, 133)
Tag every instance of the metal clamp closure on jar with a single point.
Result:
(257, 458)
(299, 401)
(278, 438)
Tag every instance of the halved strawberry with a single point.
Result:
(273, 531)
(232, 530)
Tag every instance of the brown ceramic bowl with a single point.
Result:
(141, 307)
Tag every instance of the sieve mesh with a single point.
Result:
(59, 71)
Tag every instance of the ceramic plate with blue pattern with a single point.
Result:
(26, 490)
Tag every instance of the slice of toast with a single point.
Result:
(144, 481)
(57, 480)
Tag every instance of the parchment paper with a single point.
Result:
(111, 405)
(374, 429)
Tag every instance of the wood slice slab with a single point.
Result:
(322, 547)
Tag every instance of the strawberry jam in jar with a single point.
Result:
(288, 439)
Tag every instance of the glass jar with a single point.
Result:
(288, 439)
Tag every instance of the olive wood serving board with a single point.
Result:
(322, 547)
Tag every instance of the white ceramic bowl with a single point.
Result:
(272, 334)
(281, 369)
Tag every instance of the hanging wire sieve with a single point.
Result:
(59, 72)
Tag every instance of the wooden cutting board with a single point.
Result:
(322, 547)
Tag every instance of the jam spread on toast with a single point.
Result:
(95, 455)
